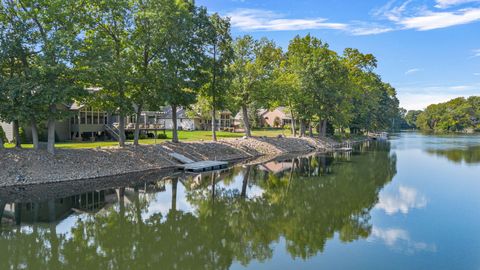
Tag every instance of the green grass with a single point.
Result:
(182, 135)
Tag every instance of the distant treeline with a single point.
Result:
(457, 115)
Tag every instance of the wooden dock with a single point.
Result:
(204, 166)
(200, 166)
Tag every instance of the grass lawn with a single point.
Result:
(182, 135)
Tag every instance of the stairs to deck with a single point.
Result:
(113, 131)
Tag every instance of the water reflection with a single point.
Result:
(468, 155)
(400, 240)
(405, 199)
(238, 215)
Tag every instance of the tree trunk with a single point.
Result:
(1, 143)
(214, 122)
(34, 134)
(246, 176)
(310, 129)
(121, 130)
(246, 122)
(16, 134)
(18, 214)
(302, 128)
(323, 128)
(294, 126)
(51, 130)
(214, 81)
(2, 209)
(174, 194)
(136, 134)
(175, 128)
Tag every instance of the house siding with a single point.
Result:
(8, 129)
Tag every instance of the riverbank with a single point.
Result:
(24, 167)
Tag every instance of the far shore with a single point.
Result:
(26, 167)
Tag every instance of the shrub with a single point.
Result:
(162, 136)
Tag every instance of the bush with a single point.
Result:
(143, 136)
(162, 136)
(129, 136)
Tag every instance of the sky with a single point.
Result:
(429, 50)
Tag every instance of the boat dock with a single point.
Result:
(198, 166)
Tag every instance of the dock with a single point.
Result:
(198, 166)
(204, 166)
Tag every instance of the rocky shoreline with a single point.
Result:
(26, 167)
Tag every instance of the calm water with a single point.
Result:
(412, 203)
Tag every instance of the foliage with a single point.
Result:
(411, 118)
(456, 115)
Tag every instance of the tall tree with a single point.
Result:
(182, 61)
(105, 59)
(253, 67)
(324, 83)
(46, 56)
(151, 22)
(219, 52)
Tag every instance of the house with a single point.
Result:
(225, 121)
(184, 122)
(276, 118)
(87, 123)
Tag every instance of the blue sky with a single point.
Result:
(429, 50)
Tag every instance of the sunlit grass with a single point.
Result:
(182, 135)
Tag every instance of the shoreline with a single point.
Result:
(22, 167)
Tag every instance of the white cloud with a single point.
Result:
(399, 239)
(419, 17)
(450, 3)
(264, 20)
(476, 53)
(411, 71)
(369, 30)
(407, 198)
(429, 20)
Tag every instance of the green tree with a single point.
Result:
(219, 52)
(324, 83)
(252, 69)
(411, 118)
(38, 41)
(105, 59)
(181, 74)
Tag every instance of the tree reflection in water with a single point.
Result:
(306, 204)
(469, 155)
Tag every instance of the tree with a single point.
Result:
(180, 74)
(324, 83)
(253, 66)
(53, 28)
(456, 115)
(151, 20)
(219, 51)
(411, 118)
(105, 58)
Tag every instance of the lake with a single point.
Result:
(410, 203)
